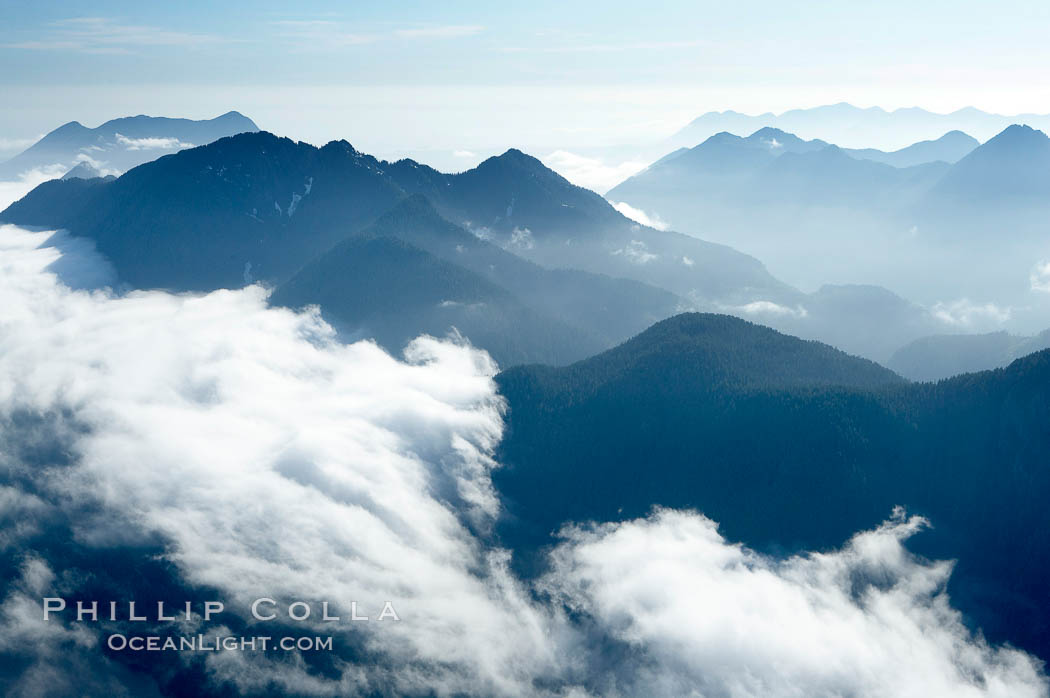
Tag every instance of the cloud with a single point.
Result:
(768, 308)
(465, 154)
(607, 47)
(636, 252)
(152, 143)
(1040, 277)
(322, 34)
(14, 190)
(521, 238)
(966, 314)
(639, 216)
(103, 35)
(273, 461)
(329, 34)
(697, 615)
(590, 173)
(243, 451)
(451, 31)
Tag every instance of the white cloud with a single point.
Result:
(465, 154)
(591, 173)
(639, 216)
(1040, 277)
(707, 617)
(768, 308)
(965, 314)
(636, 252)
(152, 143)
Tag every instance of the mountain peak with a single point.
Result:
(1017, 134)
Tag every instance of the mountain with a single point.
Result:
(255, 207)
(727, 176)
(120, 144)
(720, 157)
(832, 177)
(412, 271)
(943, 356)
(856, 127)
(247, 207)
(527, 208)
(82, 170)
(605, 307)
(861, 319)
(791, 445)
(259, 208)
(950, 148)
(383, 288)
(944, 233)
(274, 204)
(1012, 168)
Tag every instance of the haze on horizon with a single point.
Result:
(451, 84)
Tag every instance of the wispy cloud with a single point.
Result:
(104, 35)
(152, 143)
(324, 33)
(319, 33)
(450, 31)
(608, 47)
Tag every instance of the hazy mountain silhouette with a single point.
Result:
(83, 170)
(121, 144)
(943, 356)
(608, 308)
(856, 127)
(770, 165)
(950, 148)
(1013, 166)
(791, 445)
(527, 208)
(935, 232)
(381, 287)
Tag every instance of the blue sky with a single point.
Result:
(480, 76)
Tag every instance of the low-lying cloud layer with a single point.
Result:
(245, 452)
(591, 173)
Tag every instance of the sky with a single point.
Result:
(462, 80)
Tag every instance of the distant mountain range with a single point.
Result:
(791, 445)
(951, 147)
(936, 231)
(255, 207)
(856, 127)
(942, 356)
(120, 144)
(770, 162)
